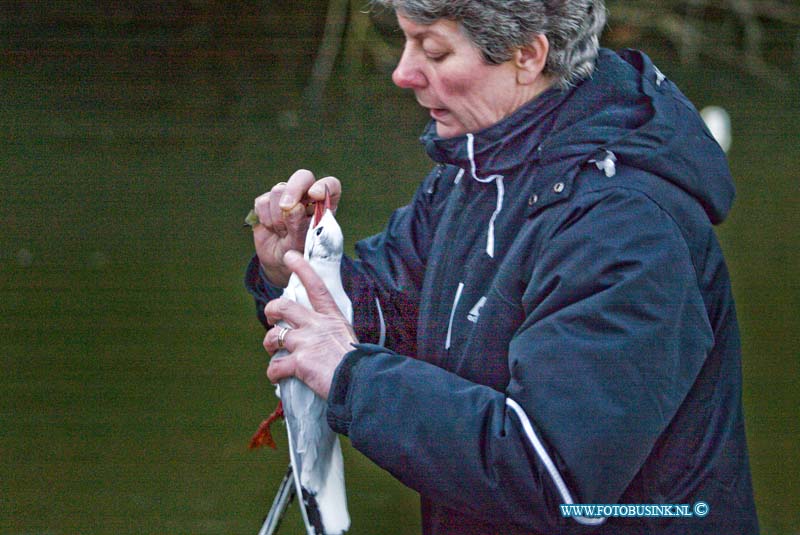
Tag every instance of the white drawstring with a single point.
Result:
(500, 195)
(498, 180)
(382, 336)
(452, 315)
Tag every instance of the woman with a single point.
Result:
(550, 320)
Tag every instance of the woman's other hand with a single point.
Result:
(318, 339)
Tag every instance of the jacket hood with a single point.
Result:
(628, 113)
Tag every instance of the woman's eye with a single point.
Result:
(435, 56)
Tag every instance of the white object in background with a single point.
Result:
(719, 123)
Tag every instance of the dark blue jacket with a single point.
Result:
(550, 321)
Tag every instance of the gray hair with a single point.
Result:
(497, 27)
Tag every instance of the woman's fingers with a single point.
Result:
(285, 209)
(280, 337)
(281, 368)
(262, 209)
(286, 310)
(296, 190)
(334, 187)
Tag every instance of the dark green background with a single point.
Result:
(133, 139)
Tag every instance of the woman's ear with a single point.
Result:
(530, 60)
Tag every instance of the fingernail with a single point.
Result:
(286, 201)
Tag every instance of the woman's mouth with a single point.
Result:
(438, 114)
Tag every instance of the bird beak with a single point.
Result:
(320, 207)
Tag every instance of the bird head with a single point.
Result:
(324, 240)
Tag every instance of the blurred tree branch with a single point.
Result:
(335, 24)
(731, 32)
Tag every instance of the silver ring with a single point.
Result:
(282, 336)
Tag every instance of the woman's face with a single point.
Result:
(450, 78)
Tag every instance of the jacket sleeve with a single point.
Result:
(260, 288)
(615, 332)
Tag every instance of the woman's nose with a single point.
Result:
(407, 74)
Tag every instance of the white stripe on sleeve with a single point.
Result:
(548, 463)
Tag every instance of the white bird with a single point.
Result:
(315, 452)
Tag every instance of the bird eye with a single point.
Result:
(319, 231)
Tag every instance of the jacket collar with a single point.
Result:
(502, 147)
(627, 112)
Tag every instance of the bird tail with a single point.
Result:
(325, 512)
(316, 456)
(331, 499)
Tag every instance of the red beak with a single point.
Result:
(320, 208)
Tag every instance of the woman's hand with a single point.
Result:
(284, 213)
(318, 339)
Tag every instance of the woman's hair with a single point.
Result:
(497, 27)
